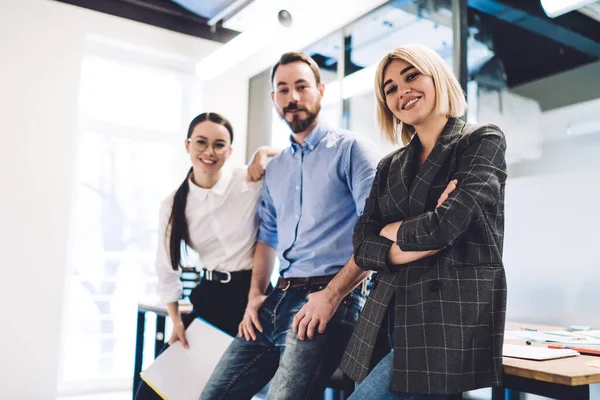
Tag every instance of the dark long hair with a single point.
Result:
(177, 221)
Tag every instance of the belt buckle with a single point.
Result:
(288, 285)
(228, 277)
(208, 275)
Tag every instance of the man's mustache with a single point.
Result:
(293, 107)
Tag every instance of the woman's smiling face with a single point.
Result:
(209, 146)
(409, 94)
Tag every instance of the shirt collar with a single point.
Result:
(312, 140)
(219, 189)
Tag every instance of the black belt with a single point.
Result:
(288, 283)
(225, 277)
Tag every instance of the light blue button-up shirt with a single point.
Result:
(311, 199)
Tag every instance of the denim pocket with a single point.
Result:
(351, 306)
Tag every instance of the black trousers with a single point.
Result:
(221, 304)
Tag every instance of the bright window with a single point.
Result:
(129, 160)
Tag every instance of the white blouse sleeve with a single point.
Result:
(169, 283)
(240, 174)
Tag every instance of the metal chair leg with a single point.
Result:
(139, 350)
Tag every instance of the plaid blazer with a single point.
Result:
(449, 308)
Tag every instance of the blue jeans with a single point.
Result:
(300, 368)
(376, 385)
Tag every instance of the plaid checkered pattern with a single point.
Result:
(449, 308)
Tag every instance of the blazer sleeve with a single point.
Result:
(481, 174)
(370, 249)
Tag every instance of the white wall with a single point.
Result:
(551, 237)
(228, 95)
(42, 43)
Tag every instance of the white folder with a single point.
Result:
(181, 374)
(535, 352)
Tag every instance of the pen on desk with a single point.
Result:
(587, 352)
(524, 328)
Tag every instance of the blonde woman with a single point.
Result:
(434, 321)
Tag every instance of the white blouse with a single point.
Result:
(222, 223)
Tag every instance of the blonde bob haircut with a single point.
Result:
(449, 96)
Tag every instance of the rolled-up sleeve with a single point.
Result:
(267, 227)
(370, 249)
(169, 285)
(481, 174)
(360, 167)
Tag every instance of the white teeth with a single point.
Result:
(411, 102)
(208, 161)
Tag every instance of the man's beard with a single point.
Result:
(297, 124)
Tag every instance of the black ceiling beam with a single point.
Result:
(161, 13)
(542, 26)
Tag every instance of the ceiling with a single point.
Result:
(527, 44)
(531, 45)
(190, 17)
(205, 8)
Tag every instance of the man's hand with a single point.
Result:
(315, 314)
(251, 320)
(256, 169)
(178, 334)
(449, 189)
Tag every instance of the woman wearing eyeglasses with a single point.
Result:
(212, 212)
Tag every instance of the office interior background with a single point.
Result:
(95, 98)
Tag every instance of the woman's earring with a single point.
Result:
(397, 121)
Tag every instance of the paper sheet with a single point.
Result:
(181, 374)
(535, 352)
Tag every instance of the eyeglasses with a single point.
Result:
(200, 144)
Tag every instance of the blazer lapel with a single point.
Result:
(427, 172)
(401, 178)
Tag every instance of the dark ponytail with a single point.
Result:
(177, 221)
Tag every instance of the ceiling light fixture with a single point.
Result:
(554, 8)
(585, 127)
(591, 10)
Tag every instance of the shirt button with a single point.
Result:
(296, 216)
(297, 187)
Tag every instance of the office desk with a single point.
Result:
(566, 378)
